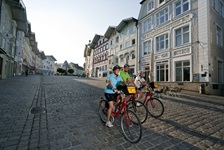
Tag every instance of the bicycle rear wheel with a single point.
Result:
(139, 109)
(155, 107)
(131, 127)
(103, 108)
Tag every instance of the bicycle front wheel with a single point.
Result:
(131, 126)
(155, 107)
(103, 108)
(139, 109)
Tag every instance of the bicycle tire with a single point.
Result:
(158, 108)
(129, 129)
(102, 110)
(139, 109)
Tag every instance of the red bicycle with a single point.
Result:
(130, 123)
(154, 105)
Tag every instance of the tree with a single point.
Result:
(71, 71)
(60, 70)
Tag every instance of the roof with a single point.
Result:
(42, 55)
(77, 66)
(109, 31)
(95, 40)
(51, 57)
(124, 22)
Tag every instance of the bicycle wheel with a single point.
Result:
(103, 110)
(131, 127)
(139, 109)
(155, 107)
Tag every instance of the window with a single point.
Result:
(133, 56)
(161, 42)
(150, 6)
(182, 36)
(109, 61)
(146, 47)
(117, 39)
(162, 16)
(162, 72)
(121, 47)
(103, 48)
(182, 70)
(133, 42)
(111, 42)
(127, 58)
(181, 6)
(107, 46)
(105, 67)
(121, 59)
(116, 60)
(147, 25)
(215, 5)
(220, 71)
(219, 37)
(221, 9)
(102, 68)
(99, 68)
(127, 44)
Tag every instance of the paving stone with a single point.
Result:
(72, 121)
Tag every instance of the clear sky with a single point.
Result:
(63, 28)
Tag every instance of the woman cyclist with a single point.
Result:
(111, 92)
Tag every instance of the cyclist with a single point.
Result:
(126, 77)
(111, 92)
(140, 82)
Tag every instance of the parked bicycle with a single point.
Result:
(130, 123)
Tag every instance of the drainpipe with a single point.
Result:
(137, 50)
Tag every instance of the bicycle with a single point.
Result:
(130, 123)
(154, 105)
(138, 107)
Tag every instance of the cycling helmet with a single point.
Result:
(126, 65)
(116, 67)
(140, 71)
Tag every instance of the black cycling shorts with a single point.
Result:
(111, 97)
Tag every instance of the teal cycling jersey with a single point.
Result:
(115, 82)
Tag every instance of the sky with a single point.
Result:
(62, 28)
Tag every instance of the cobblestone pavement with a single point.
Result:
(68, 118)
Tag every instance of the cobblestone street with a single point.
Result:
(69, 118)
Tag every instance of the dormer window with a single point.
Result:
(150, 6)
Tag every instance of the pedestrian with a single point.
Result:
(26, 72)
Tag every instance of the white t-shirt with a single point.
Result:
(137, 83)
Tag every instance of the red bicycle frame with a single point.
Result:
(123, 106)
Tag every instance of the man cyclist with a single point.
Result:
(111, 91)
(126, 77)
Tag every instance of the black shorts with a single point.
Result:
(111, 97)
(139, 89)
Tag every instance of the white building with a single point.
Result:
(100, 47)
(181, 43)
(48, 65)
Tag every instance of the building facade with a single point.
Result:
(49, 65)
(100, 47)
(88, 65)
(127, 51)
(181, 43)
